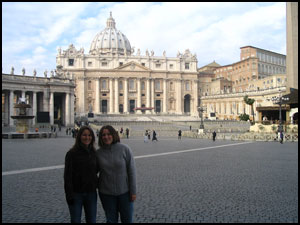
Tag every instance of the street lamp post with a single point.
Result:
(201, 110)
(278, 100)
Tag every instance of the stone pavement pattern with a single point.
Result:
(256, 182)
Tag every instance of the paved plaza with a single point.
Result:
(188, 180)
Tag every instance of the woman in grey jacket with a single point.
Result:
(117, 178)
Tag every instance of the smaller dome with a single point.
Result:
(110, 40)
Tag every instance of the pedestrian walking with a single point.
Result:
(154, 138)
(146, 136)
(80, 177)
(127, 132)
(179, 134)
(281, 137)
(117, 180)
(214, 134)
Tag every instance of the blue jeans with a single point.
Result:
(113, 205)
(88, 201)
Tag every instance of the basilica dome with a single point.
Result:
(110, 40)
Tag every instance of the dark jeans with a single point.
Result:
(89, 202)
(113, 205)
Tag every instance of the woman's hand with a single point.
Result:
(132, 198)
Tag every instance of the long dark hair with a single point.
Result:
(78, 143)
(112, 131)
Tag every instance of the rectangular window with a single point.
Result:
(104, 85)
(187, 86)
(104, 63)
(158, 65)
(157, 85)
(187, 66)
(71, 62)
(90, 64)
(171, 66)
(131, 85)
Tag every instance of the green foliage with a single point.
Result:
(250, 101)
(244, 117)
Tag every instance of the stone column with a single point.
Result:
(81, 94)
(11, 107)
(51, 108)
(111, 96)
(152, 96)
(148, 96)
(126, 96)
(139, 99)
(117, 96)
(72, 110)
(97, 97)
(165, 96)
(46, 96)
(67, 119)
(34, 107)
(179, 97)
(23, 96)
(195, 97)
(228, 109)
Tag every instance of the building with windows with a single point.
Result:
(254, 64)
(114, 79)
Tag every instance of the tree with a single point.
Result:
(244, 117)
(250, 101)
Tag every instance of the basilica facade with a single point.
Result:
(114, 79)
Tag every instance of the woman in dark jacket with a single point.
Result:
(80, 177)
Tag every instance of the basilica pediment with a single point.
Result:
(132, 66)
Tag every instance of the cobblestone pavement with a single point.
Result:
(221, 181)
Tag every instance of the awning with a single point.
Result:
(273, 108)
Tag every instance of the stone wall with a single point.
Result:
(249, 136)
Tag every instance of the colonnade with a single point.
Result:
(122, 96)
(40, 101)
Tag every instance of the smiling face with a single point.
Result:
(107, 137)
(86, 137)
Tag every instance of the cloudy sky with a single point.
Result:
(32, 32)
